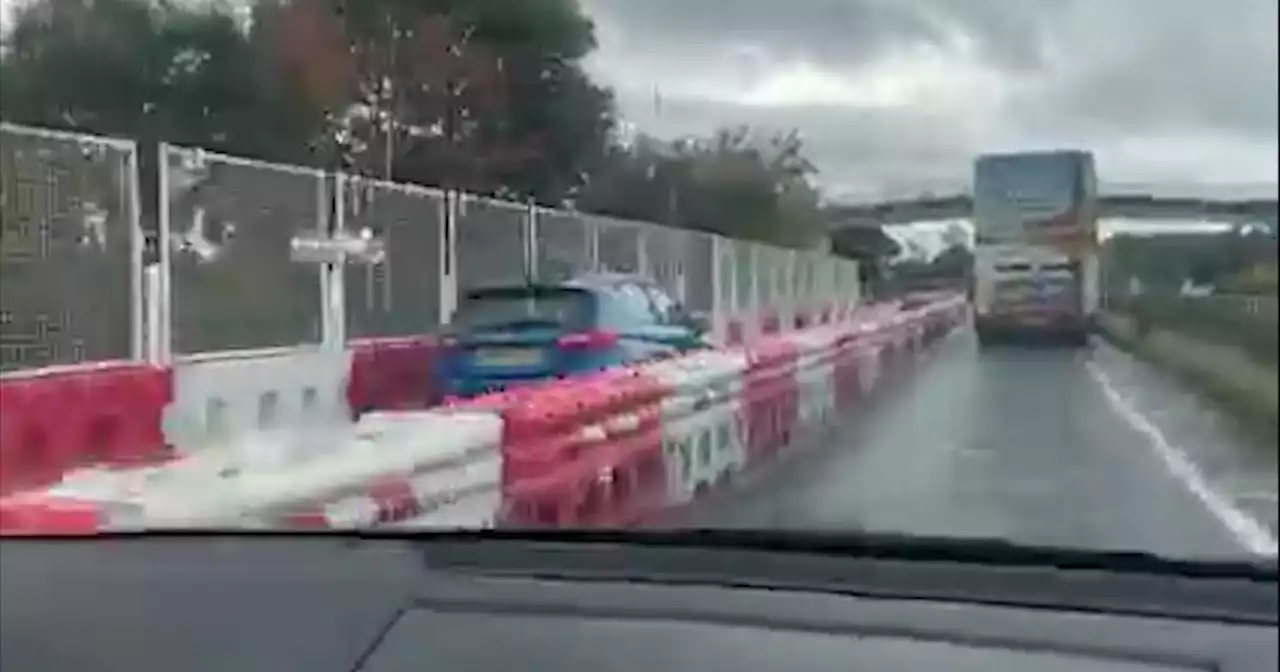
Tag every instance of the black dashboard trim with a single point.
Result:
(568, 611)
(333, 603)
(867, 545)
(1053, 588)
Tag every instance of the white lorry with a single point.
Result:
(1035, 260)
(1036, 291)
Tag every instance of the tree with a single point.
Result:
(730, 183)
(872, 248)
(1164, 261)
(487, 95)
(141, 69)
(864, 244)
(953, 264)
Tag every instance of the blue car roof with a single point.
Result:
(586, 281)
(591, 280)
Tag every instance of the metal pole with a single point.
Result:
(140, 347)
(163, 298)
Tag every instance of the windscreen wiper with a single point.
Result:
(884, 546)
(863, 564)
(852, 545)
(875, 566)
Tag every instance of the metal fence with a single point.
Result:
(224, 281)
(70, 249)
(227, 224)
(402, 295)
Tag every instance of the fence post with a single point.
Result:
(531, 242)
(162, 276)
(642, 251)
(152, 317)
(140, 346)
(757, 304)
(681, 277)
(593, 241)
(448, 257)
(331, 215)
(720, 309)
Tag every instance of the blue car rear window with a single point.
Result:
(625, 306)
(559, 307)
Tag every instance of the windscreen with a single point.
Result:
(563, 308)
(354, 264)
(1018, 196)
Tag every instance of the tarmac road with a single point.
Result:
(1084, 448)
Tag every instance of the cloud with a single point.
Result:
(897, 96)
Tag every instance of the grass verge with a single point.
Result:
(1240, 385)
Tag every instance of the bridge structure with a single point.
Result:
(1221, 202)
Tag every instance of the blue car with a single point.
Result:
(505, 336)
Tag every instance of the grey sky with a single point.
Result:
(897, 95)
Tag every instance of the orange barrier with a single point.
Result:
(622, 447)
(392, 374)
(614, 449)
(100, 415)
(49, 516)
(583, 452)
(769, 397)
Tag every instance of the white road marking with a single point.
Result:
(1246, 530)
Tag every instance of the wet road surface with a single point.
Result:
(1049, 446)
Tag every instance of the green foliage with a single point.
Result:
(1163, 262)
(952, 268)
(866, 243)
(484, 95)
(503, 77)
(1249, 323)
(954, 263)
(731, 183)
(132, 68)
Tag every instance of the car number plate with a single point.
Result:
(508, 357)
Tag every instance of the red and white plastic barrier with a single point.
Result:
(126, 414)
(109, 414)
(613, 449)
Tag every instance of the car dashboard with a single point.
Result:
(319, 604)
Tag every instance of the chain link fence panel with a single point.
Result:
(71, 245)
(801, 280)
(785, 277)
(401, 295)
(666, 258)
(492, 237)
(748, 287)
(766, 269)
(726, 290)
(619, 245)
(69, 237)
(699, 278)
(563, 246)
(231, 224)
